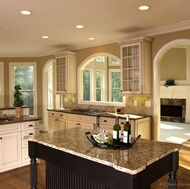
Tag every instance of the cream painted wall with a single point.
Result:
(82, 54)
(173, 65)
(40, 63)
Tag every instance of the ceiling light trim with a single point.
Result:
(26, 12)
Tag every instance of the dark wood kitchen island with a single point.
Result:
(72, 162)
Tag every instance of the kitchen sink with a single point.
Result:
(88, 111)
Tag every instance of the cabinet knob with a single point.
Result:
(1, 138)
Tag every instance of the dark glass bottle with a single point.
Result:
(127, 131)
(116, 132)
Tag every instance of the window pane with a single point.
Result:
(24, 76)
(86, 85)
(99, 85)
(116, 87)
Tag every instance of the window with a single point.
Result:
(115, 85)
(1, 84)
(24, 74)
(100, 81)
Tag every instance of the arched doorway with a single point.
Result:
(47, 91)
(156, 83)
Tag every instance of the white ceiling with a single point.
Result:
(106, 20)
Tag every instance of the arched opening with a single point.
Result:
(99, 80)
(156, 83)
(47, 91)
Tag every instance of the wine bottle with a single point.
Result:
(127, 131)
(116, 132)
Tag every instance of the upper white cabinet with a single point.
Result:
(135, 56)
(66, 73)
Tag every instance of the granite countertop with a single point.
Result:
(131, 161)
(104, 114)
(13, 119)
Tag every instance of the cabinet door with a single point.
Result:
(135, 57)
(10, 151)
(66, 73)
(143, 128)
(87, 125)
(55, 124)
(70, 124)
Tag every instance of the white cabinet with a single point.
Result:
(135, 56)
(141, 127)
(71, 121)
(138, 126)
(76, 120)
(89, 122)
(56, 121)
(10, 151)
(14, 144)
(66, 73)
(10, 146)
(28, 128)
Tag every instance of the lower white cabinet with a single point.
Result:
(14, 144)
(138, 126)
(76, 120)
(56, 121)
(10, 151)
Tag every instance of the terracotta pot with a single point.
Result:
(18, 112)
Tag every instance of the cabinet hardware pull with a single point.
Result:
(105, 121)
(56, 120)
(30, 125)
(1, 138)
(61, 114)
(122, 123)
(30, 133)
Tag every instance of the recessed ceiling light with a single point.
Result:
(26, 12)
(144, 7)
(91, 38)
(79, 26)
(45, 37)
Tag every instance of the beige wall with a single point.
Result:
(40, 63)
(173, 65)
(82, 54)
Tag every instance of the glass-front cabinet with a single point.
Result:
(66, 73)
(135, 57)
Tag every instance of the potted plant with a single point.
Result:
(18, 101)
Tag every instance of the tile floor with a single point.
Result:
(174, 132)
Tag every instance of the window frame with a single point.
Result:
(110, 84)
(11, 83)
(80, 83)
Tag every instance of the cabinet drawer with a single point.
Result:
(9, 128)
(29, 132)
(30, 125)
(73, 117)
(87, 119)
(56, 114)
(106, 121)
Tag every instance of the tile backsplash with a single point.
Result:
(134, 105)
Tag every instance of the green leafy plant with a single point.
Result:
(169, 82)
(18, 101)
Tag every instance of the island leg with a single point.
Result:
(33, 173)
(172, 182)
